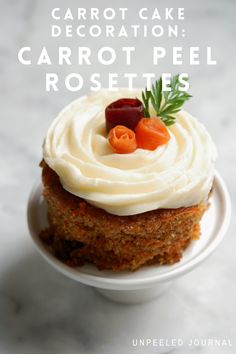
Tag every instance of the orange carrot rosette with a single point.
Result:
(151, 133)
(122, 139)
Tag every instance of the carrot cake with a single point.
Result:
(124, 189)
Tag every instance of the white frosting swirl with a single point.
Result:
(178, 174)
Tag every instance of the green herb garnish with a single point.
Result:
(166, 103)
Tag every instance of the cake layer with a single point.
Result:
(81, 232)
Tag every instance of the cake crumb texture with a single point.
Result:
(80, 232)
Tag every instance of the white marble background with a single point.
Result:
(40, 310)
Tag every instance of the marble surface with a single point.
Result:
(41, 311)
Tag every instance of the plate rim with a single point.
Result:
(131, 284)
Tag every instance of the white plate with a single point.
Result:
(213, 228)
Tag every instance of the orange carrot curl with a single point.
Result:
(151, 133)
(122, 139)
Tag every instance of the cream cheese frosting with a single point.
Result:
(177, 174)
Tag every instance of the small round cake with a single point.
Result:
(120, 211)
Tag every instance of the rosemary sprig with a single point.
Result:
(166, 103)
(146, 95)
